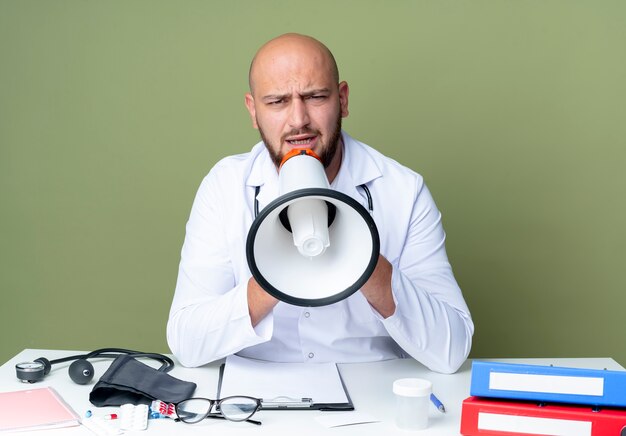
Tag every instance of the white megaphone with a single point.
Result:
(312, 246)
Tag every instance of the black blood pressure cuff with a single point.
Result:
(129, 381)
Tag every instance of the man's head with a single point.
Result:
(296, 100)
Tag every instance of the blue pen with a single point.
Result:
(438, 404)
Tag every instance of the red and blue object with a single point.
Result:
(161, 409)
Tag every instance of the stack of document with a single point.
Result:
(316, 386)
(516, 399)
(35, 409)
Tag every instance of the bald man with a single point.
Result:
(411, 306)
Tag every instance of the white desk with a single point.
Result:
(369, 385)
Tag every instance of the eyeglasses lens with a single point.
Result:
(193, 410)
(238, 408)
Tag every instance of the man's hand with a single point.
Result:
(260, 303)
(377, 290)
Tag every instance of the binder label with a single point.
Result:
(532, 425)
(553, 384)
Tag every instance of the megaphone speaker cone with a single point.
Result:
(308, 275)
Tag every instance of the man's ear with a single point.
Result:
(344, 91)
(251, 109)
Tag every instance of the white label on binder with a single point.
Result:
(552, 384)
(533, 425)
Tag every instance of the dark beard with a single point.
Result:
(326, 155)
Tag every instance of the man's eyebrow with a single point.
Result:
(301, 94)
(315, 91)
(274, 96)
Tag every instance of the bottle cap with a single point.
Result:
(412, 387)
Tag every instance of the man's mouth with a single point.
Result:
(301, 141)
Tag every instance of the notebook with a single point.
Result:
(35, 409)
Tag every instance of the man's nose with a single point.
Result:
(299, 116)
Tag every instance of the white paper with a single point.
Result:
(271, 381)
(340, 419)
(533, 425)
(556, 384)
(100, 426)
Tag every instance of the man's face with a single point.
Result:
(296, 103)
(324, 145)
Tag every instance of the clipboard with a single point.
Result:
(266, 380)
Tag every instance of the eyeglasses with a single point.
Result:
(238, 408)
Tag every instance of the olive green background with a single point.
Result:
(111, 113)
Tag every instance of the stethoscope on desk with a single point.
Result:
(81, 371)
(368, 194)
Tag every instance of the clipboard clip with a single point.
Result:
(286, 402)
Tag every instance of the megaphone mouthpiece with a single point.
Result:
(299, 152)
(301, 169)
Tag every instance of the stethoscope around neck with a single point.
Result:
(368, 194)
